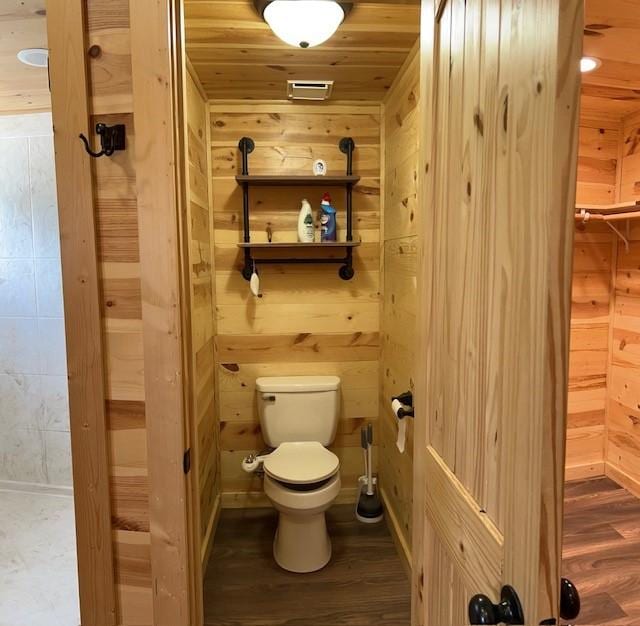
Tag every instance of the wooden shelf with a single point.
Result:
(246, 145)
(610, 214)
(296, 181)
(609, 209)
(298, 245)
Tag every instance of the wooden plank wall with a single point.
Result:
(623, 416)
(200, 223)
(308, 321)
(399, 293)
(591, 297)
(118, 252)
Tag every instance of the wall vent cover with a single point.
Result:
(309, 89)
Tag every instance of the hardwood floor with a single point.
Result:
(364, 584)
(601, 551)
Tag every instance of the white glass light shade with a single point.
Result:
(588, 64)
(304, 23)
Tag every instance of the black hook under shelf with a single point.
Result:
(112, 138)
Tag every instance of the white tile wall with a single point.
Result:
(34, 414)
(16, 230)
(17, 288)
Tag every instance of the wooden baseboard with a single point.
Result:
(207, 543)
(258, 499)
(398, 538)
(623, 479)
(580, 472)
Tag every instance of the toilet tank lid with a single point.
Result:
(297, 384)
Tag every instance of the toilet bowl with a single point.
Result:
(302, 481)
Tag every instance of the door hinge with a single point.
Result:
(186, 461)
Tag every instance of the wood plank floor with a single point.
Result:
(601, 551)
(363, 585)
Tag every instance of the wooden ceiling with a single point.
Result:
(236, 56)
(612, 34)
(22, 88)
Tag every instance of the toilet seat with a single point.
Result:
(301, 463)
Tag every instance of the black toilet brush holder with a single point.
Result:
(369, 508)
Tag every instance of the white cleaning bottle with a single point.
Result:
(306, 231)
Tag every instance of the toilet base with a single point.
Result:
(302, 543)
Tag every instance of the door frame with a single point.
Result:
(562, 180)
(157, 57)
(70, 106)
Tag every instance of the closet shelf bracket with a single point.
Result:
(625, 238)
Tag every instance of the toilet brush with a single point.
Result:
(369, 508)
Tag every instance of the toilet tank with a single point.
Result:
(298, 408)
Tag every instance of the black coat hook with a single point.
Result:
(112, 138)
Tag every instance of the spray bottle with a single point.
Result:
(327, 219)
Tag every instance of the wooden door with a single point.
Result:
(500, 89)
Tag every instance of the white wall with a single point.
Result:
(34, 416)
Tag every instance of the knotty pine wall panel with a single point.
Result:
(398, 324)
(308, 321)
(118, 253)
(201, 292)
(592, 286)
(598, 153)
(623, 416)
(630, 153)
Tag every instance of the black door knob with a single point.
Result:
(569, 600)
(508, 611)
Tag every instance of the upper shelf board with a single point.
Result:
(298, 181)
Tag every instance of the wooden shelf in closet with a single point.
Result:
(608, 212)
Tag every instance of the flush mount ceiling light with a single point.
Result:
(303, 23)
(35, 57)
(588, 64)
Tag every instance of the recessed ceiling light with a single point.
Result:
(35, 57)
(588, 64)
(303, 23)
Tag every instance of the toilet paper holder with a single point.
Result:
(406, 399)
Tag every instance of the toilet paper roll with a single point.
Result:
(402, 435)
(396, 405)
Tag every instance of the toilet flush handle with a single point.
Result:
(268, 398)
(253, 462)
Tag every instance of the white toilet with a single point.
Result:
(299, 417)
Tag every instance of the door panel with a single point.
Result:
(499, 135)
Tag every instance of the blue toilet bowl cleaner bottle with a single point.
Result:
(327, 219)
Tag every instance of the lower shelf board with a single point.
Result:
(296, 244)
(291, 257)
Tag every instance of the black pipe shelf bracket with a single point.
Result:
(246, 146)
(112, 138)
